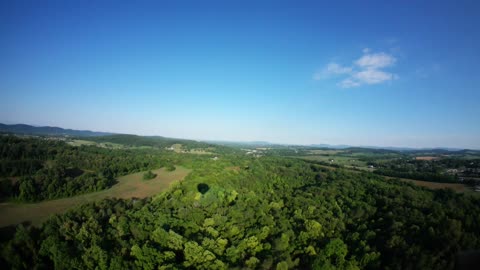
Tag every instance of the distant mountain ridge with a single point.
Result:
(339, 146)
(47, 130)
(240, 143)
(393, 148)
(57, 131)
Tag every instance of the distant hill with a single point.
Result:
(241, 144)
(106, 137)
(158, 141)
(438, 150)
(56, 131)
(342, 146)
(152, 141)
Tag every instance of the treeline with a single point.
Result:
(50, 183)
(154, 141)
(270, 213)
(425, 170)
(35, 169)
(423, 176)
(24, 156)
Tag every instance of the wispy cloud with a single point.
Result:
(427, 71)
(331, 69)
(349, 83)
(368, 69)
(375, 60)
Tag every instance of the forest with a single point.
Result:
(431, 165)
(234, 212)
(34, 169)
(242, 135)
(441, 170)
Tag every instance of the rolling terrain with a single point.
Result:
(46, 130)
(83, 202)
(127, 187)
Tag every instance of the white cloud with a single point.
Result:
(375, 60)
(349, 83)
(373, 76)
(331, 69)
(335, 68)
(368, 69)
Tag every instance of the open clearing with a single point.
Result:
(102, 144)
(435, 185)
(178, 148)
(338, 160)
(80, 143)
(325, 152)
(233, 168)
(427, 158)
(129, 186)
(457, 187)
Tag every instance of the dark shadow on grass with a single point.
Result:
(203, 188)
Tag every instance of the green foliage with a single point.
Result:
(170, 168)
(151, 141)
(48, 168)
(279, 213)
(149, 175)
(55, 183)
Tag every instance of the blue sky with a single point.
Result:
(358, 73)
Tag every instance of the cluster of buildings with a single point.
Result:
(258, 152)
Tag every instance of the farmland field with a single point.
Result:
(128, 186)
(108, 145)
(101, 144)
(338, 160)
(81, 142)
(178, 148)
(427, 158)
(325, 152)
(457, 187)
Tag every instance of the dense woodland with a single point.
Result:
(34, 169)
(154, 142)
(430, 170)
(242, 212)
(444, 166)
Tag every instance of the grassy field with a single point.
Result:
(102, 144)
(325, 152)
(427, 158)
(338, 160)
(200, 152)
(457, 187)
(178, 148)
(129, 186)
(80, 143)
(434, 185)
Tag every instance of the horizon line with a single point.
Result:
(397, 148)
